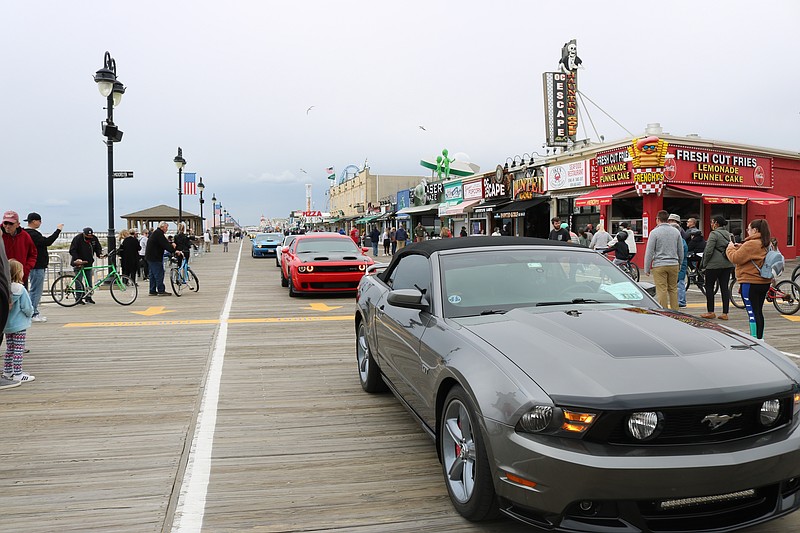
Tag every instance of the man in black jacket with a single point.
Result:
(82, 250)
(157, 244)
(36, 276)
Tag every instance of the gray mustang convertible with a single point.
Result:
(559, 393)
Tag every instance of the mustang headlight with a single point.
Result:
(537, 419)
(770, 411)
(645, 425)
(305, 269)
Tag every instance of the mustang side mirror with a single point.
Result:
(408, 298)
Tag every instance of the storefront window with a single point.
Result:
(790, 227)
(686, 208)
(732, 213)
(628, 210)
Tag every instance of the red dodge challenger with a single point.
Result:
(323, 262)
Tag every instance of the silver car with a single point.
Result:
(559, 393)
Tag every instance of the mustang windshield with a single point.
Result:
(498, 280)
(319, 245)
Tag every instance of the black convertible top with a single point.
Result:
(430, 246)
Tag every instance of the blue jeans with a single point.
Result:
(375, 248)
(682, 292)
(156, 269)
(36, 283)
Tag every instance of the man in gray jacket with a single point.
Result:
(663, 256)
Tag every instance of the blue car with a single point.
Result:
(265, 244)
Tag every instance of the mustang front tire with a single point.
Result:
(464, 463)
(368, 372)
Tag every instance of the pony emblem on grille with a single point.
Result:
(715, 420)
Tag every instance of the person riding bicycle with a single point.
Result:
(620, 248)
(82, 250)
(182, 241)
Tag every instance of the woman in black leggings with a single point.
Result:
(748, 258)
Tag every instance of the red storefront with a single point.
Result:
(696, 178)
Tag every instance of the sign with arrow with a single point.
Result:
(152, 311)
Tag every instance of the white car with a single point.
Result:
(287, 240)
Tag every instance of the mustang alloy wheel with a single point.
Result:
(466, 469)
(368, 372)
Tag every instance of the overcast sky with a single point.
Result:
(230, 82)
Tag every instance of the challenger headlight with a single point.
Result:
(645, 425)
(770, 411)
(303, 269)
(362, 267)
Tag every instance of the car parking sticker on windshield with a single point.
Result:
(625, 290)
(454, 299)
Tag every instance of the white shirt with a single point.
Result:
(226, 236)
(143, 244)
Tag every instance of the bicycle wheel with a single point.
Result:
(736, 294)
(633, 271)
(124, 290)
(192, 283)
(787, 297)
(67, 290)
(175, 281)
(796, 273)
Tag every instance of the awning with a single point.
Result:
(458, 209)
(364, 220)
(520, 206)
(488, 207)
(601, 196)
(386, 216)
(730, 195)
(418, 209)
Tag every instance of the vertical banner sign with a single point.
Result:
(560, 97)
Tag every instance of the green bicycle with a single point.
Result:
(70, 289)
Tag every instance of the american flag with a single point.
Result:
(189, 183)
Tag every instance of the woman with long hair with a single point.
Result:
(747, 257)
(717, 266)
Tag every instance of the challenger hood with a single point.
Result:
(331, 256)
(623, 357)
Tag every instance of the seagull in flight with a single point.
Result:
(422, 128)
(303, 171)
(309, 109)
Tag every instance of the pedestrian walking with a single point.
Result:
(82, 249)
(18, 243)
(674, 221)
(142, 261)
(226, 238)
(558, 233)
(157, 246)
(393, 238)
(401, 236)
(717, 266)
(746, 257)
(387, 241)
(207, 240)
(129, 249)
(600, 239)
(375, 237)
(36, 276)
(663, 256)
(419, 232)
(5, 300)
(463, 231)
(19, 320)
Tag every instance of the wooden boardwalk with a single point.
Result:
(101, 440)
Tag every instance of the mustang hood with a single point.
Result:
(625, 357)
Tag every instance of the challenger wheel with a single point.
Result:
(464, 463)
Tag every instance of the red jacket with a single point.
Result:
(20, 247)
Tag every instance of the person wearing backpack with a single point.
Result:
(717, 267)
(747, 257)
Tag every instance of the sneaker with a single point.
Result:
(89, 300)
(38, 318)
(23, 377)
(6, 383)
(152, 294)
(708, 315)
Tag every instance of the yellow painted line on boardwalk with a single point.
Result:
(195, 322)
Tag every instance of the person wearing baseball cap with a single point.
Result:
(36, 278)
(18, 243)
(82, 249)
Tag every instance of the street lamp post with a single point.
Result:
(111, 89)
(214, 213)
(180, 162)
(200, 186)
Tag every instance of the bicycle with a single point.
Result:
(696, 276)
(70, 289)
(181, 275)
(628, 267)
(784, 295)
(796, 274)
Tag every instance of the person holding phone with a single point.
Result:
(717, 267)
